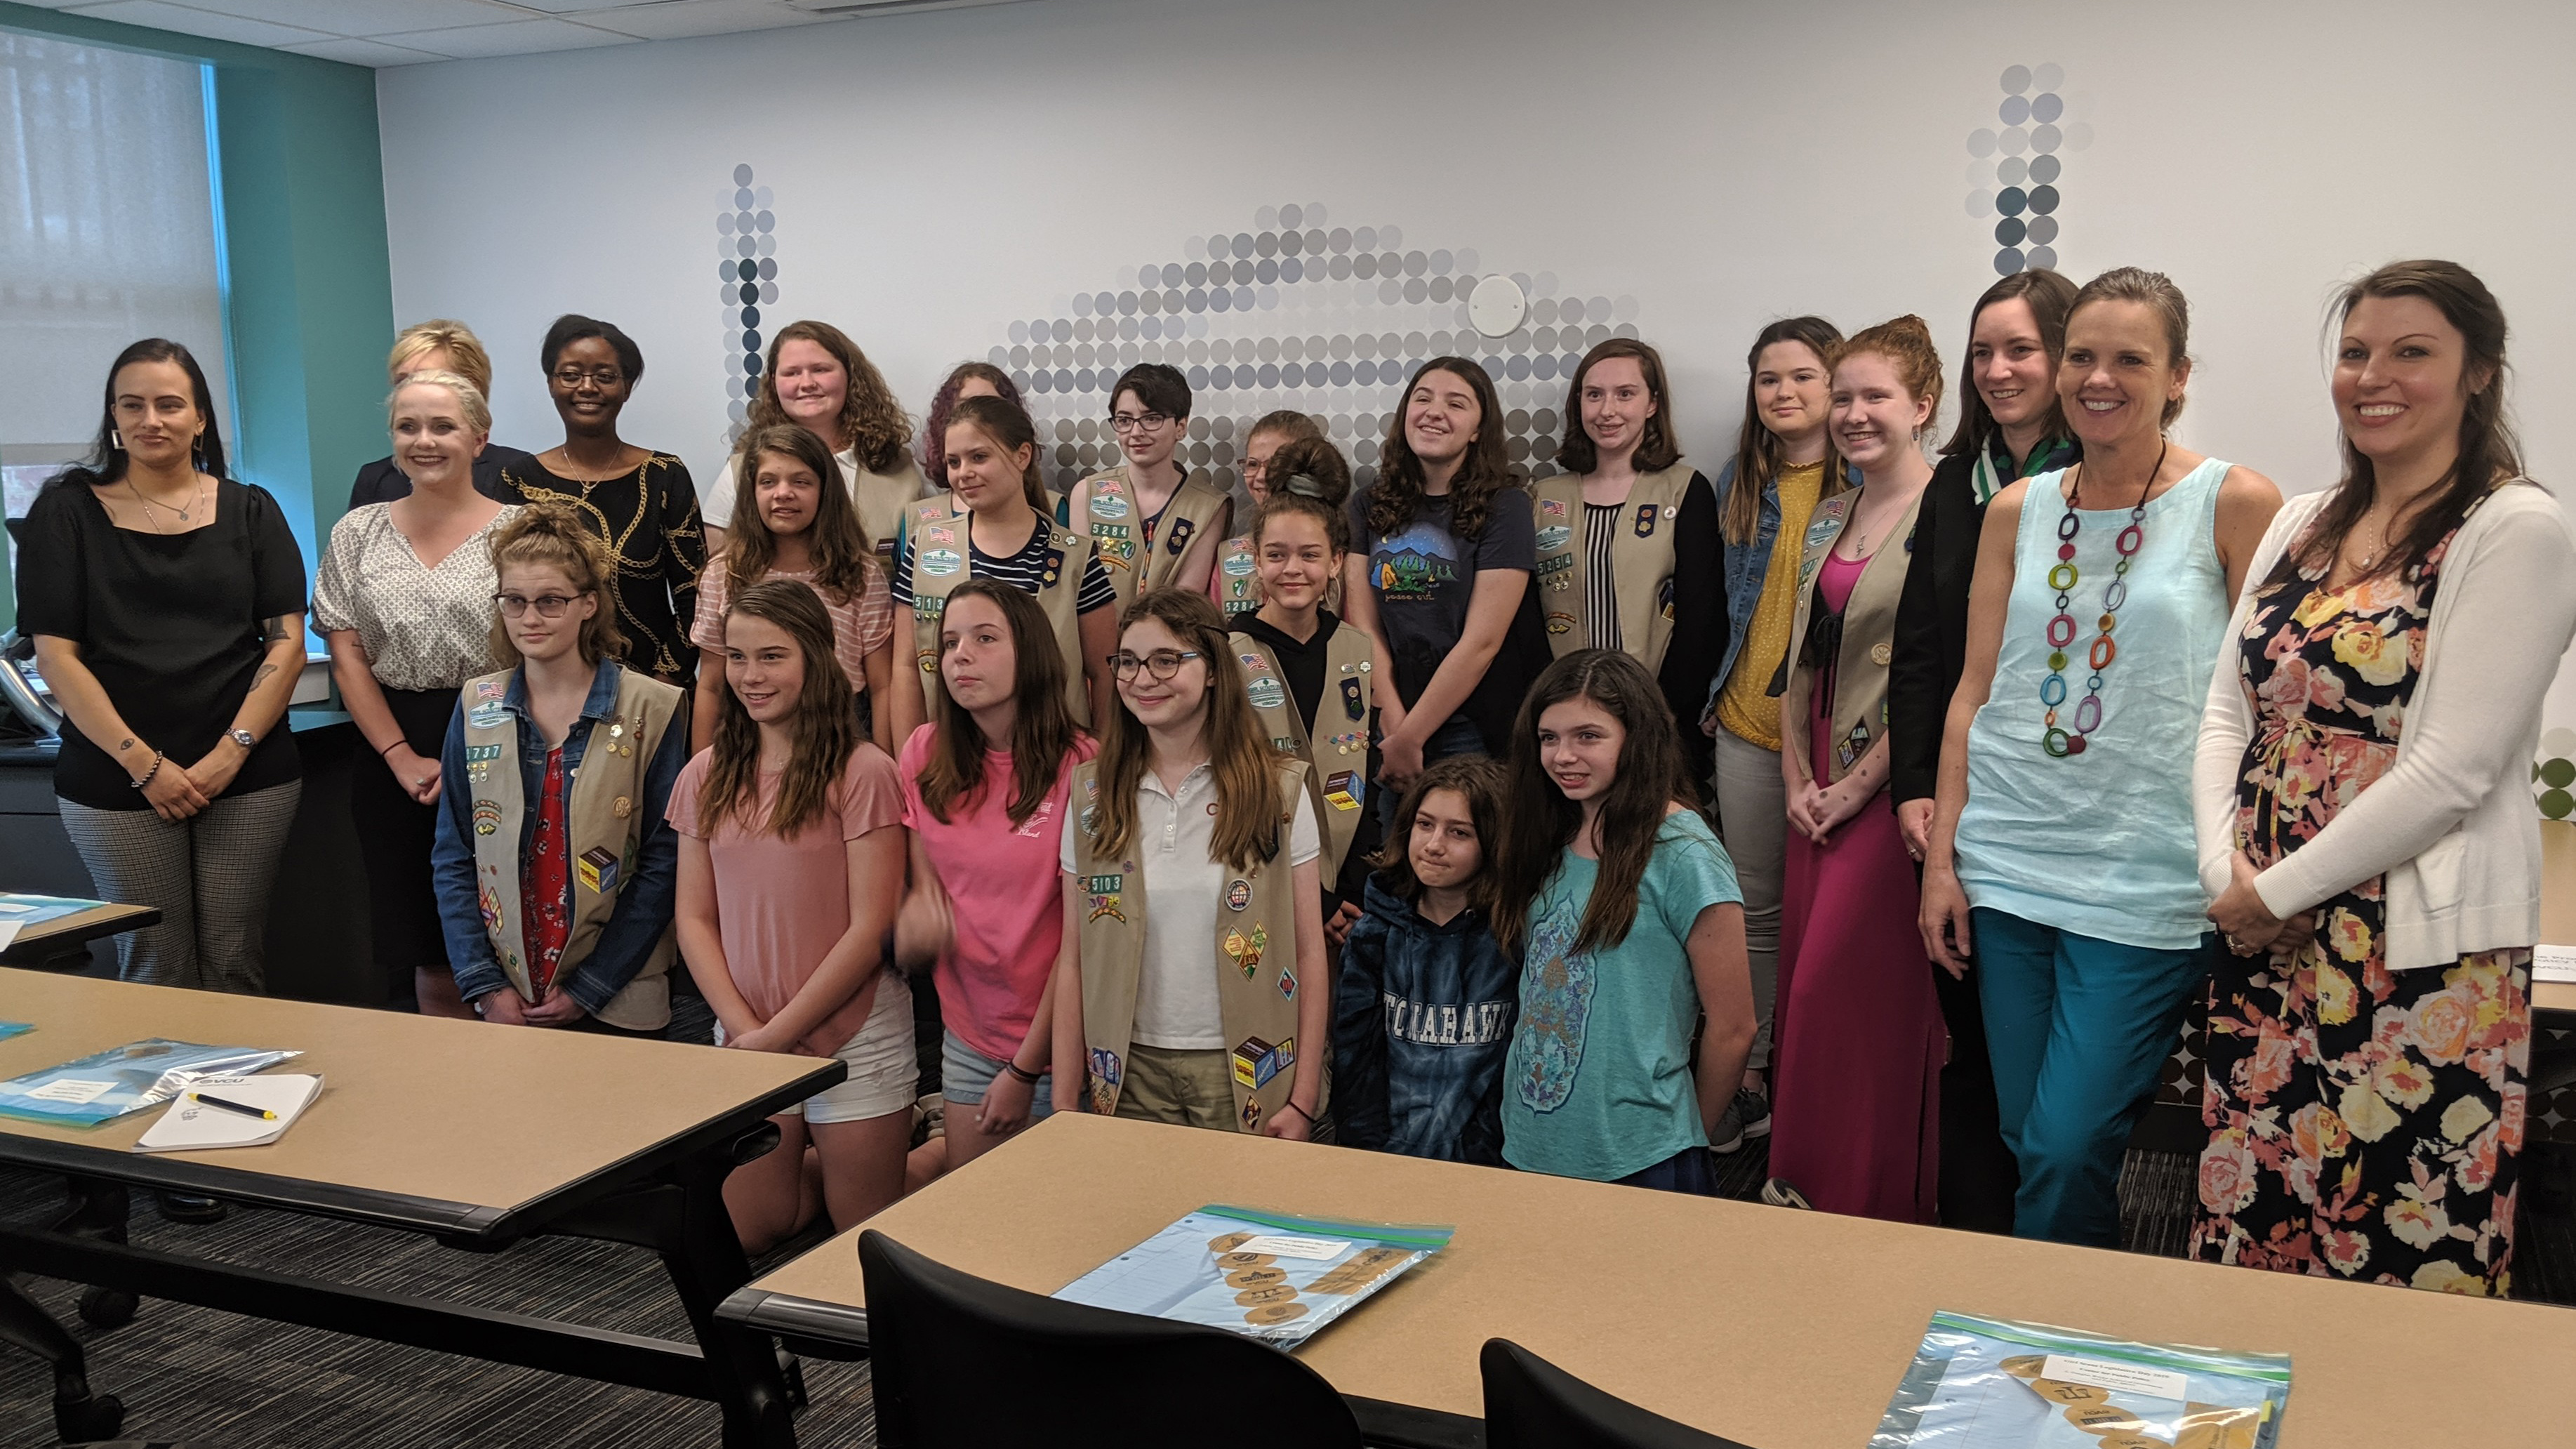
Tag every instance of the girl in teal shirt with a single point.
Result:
(1625, 913)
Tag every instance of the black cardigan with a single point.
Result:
(382, 482)
(1932, 626)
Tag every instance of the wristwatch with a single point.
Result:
(244, 738)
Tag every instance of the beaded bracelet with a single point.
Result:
(148, 774)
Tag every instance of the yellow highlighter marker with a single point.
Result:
(260, 1112)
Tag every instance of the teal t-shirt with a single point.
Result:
(1599, 1083)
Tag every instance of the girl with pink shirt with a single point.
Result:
(783, 918)
(984, 786)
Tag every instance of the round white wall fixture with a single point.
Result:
(1497, 306)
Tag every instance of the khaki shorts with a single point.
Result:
(1185, 1088)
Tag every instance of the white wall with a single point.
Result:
(936, 177)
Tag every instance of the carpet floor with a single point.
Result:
(239, 1383)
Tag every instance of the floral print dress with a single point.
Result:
(2364, 1123)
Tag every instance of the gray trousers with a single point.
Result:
(1753, 824)
(209, 875)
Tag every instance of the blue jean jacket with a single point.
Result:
(1747, 565)
(644, 903)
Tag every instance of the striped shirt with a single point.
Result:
(1600, 585)
(1024, 571)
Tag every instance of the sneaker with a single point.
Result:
(1778, 1193)
(188, 1207)
(1748, 1115)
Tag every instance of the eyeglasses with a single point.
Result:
(1130, 422)
(548, 606)
(1162, 663)
(604, 376)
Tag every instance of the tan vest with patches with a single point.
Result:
(940, 554)
(1869, 626)
(883, 500)
(1118, 530)
(604, 815)
(1254, 957)
(1336, 751)
(1641, 558)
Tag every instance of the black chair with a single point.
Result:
(1532, 1404)
(958, 1361)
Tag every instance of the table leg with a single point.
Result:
(684, 1220)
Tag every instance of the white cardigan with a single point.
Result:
(2452, 824)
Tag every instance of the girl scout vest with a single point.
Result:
(1336, 750)
(603, 816)
(1254, 957)
(939, 563)
(1863, 641)
(1641, 557)
(882, 500)
(1118, 532)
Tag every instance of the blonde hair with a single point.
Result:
(2156, 292)
(464, 350)
(469, 398)
(1906, 342)
(547, 533)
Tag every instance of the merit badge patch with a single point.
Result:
(1245, 951)
(1180, 538)
(1354, 701)
(1266, 693)
(487, 716)
(1106, 504)
(487, 816)
(1105, 906)
(1554, 537)
(1238, 894)
(1288, 984)
(490, 689)
(598, 868)
(939, 563)
(1239, 564)
(1560, 623)
(1344, 789)
(1257, 1061)
(1646, 520)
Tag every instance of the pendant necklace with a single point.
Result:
(2058, 741)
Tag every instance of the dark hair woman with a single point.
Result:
(639, 501)
(2380, 892)
(2010, 425)
(167, 607)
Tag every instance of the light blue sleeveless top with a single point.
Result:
(2100, 843)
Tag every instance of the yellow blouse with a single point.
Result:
(1745, 707)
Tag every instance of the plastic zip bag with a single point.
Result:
(107, 1085)
(1268, 1276)
(1990, 1383)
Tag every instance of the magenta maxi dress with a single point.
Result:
(1856, 1089)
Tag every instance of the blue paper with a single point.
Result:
(1194, 1272)
(107, 1085)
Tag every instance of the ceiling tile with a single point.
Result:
(675, 19)
(373, 53)
(570, 7)
(187, 21)
(366, 17)
(519, 37)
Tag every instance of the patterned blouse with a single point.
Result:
(860, 624)
(422, 628)
(649, 518)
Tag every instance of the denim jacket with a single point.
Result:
(644, 903)
(1747, 565)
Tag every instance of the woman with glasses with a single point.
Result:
(1191, 980)
(993, 525)
(640, 502)
(404, 599)
(555, 870)
(1151, 524)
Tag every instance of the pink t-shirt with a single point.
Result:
(1002, 888)
(782, 905)
(859, 624)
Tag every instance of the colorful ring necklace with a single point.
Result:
(2060, 742)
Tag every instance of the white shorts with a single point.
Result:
(885, 1069)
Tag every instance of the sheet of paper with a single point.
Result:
(192, 1126)
(2553, 963)
(9, 932)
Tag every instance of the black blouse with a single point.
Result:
(650, 519)
(169, 623)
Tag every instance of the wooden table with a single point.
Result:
(1782, 1329)
(63, 942)
(478, 1135)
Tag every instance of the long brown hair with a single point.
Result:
(943, 403)
(1042, 729)
(546, 531)
(1479, 782)
(1396, 498)
(836, 541)
(2051, 296)
(823, 734)
(1008, 425)
(1757, 448)
(871, 425)
(2489, 452)
(1656, 448)
(1239, 754)
(1539, 823)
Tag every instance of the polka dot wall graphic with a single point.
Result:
(2017, 167)
(747, 282)
(2553, 775)
(1297, 312)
